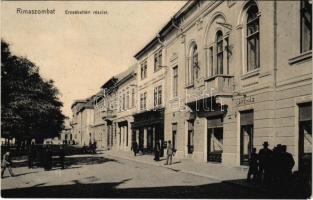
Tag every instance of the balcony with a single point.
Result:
(220, 85)
(217, 85)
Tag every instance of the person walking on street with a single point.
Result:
(169, 152)
(253, 166)
(157, 151)
(6, 163)
(135, 147)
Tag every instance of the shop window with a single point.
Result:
(246, 136)
(306, 25)
(190, 145)
(253, 39)
(305, 136)
(215, 140)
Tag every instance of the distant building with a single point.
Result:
(82, 121)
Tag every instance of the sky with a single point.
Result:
(81, 52)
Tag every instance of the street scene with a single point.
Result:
(156, 99)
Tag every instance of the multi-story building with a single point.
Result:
(82, 121)
(99, 129)
(127, 94)
(220, 78)
(247, 79)
(148, 125)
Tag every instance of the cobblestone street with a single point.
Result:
(99, 176)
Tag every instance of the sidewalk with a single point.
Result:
(209, 170)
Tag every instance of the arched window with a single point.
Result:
(253, 39)
(219, 52)
(194, 62)
(193, 66)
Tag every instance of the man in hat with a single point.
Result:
(264, 163)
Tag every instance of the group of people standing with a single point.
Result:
(270, 166)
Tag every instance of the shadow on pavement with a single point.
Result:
(110, 190)
(69, 161)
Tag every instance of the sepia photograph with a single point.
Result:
(185, 99)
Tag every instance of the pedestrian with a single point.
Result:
(62, 156)
(253, 166)
(6, 163)
(134, 147)
(264, 163)
(157, 151)
(169, 152)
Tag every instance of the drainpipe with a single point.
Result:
(275, 65)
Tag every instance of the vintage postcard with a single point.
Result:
(156, 99)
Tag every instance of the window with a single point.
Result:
(143, 70)
(253, 39)
(219, 52)
(127, 101)
(190, 137)
(193, 67)
(194, 62)
(133, 97)
(157, 60)
(174, 132)
(158, 96)
(124, 102)
(306, 25)
(143, 99)
(305, 135)
(211, 61)
(175, 81)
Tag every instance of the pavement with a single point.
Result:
(117, 174)
(109, 176)
(215, 171)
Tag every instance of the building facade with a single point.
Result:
(148, 125)
(83, 121)
(220, 78)
(241, 87)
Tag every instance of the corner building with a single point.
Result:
(238, 73)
